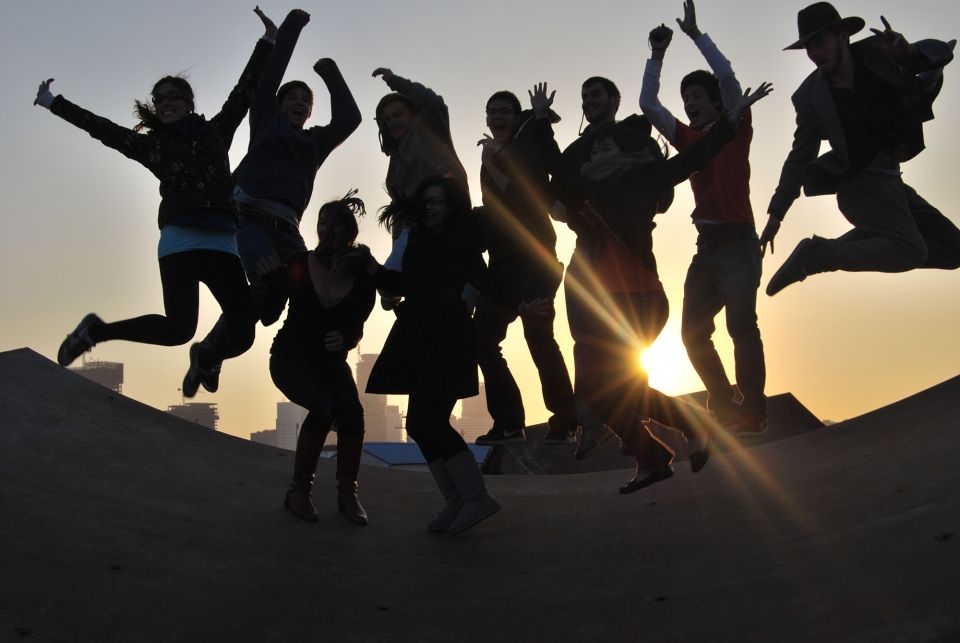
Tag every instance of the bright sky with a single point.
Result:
(81, 233)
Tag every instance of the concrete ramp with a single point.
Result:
(121, 523)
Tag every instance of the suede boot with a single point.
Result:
(478, 505)
(349, 452)
(450, 494)
(297, 500)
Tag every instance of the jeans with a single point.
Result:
(428, 423)
(895, 230)
(503, 395)
(256, 240)
(726, 276)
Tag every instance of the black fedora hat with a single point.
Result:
(819, 17)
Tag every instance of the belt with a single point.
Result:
(721, 234)
(269, 221)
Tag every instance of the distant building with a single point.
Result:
(395, 429)
(267, 436)
(474, 418)
(202, 413)
(108, 374)
(377, 428)
(289, 420)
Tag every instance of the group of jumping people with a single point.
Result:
(238, 232)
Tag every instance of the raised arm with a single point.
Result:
(245, 91)
(286, 40)
(678, 168)
(658, 115)
(730, 90)
(420, 95)
(345, 115)
(125, 141)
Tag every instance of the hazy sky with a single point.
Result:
(80, 219)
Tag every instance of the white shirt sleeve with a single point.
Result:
(658, 115)
(730, 90)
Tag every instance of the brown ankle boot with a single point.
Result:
(297, 500)
(349, 452)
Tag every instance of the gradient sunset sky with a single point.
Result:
(80, 229)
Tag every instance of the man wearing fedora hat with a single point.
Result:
(869, 99)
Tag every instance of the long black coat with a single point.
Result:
(432, 345)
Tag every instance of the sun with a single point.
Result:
(668, 366)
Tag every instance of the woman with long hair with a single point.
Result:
(330, 297)
(197, 220)
(431, 353)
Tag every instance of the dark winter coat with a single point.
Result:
(432, 346)
(190, 156)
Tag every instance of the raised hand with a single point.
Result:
(490, 149)
(44, 97)
(383, 72)
(269, 28)
(894, 42)
(660, 37)
(749, 99)
(688, 24)
(323, 65)
(301, 14)
(539, 100)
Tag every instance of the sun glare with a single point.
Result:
(668, 366)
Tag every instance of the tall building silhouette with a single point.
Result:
(202, 413)
(108, 374)
(474, 418)
(377, 426)
(289, 420)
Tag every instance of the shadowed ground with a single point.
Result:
(121, 523)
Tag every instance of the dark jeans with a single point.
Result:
(428, 423)
(325, 388)
(503, 395)
(256, 240)
(609, 336)
(895, 230)
(181, 275)
(726, 276)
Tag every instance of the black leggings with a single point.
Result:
(428, 423)
(181, 275)
(324, 387)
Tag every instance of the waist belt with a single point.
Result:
(268, 221)
(721, 234)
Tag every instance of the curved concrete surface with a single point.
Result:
(119, 522)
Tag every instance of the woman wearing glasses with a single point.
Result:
(197, 221)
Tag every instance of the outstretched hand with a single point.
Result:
(269, 28)
(749, 99)
(688, 24)
(44, 97)
(384, 73)
(895, 43)
(539, 100)
(769, 233)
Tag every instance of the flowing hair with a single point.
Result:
(146, 112)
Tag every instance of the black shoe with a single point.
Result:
(639, 483)
(794, 269)
(560, 435)
(751, 427)
(497, 436)
(698, 459)
(78, 342)
(591, 437)
(210, 378)
(191, 381)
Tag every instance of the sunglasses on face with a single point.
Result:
(168, 97)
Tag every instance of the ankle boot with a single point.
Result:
(450, 494)
(297, 500)
(349, 452)
(653, 458)
(478, 505)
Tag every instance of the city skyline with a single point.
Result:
(82, 231)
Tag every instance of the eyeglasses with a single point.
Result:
(168, 97)
(502, 111)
